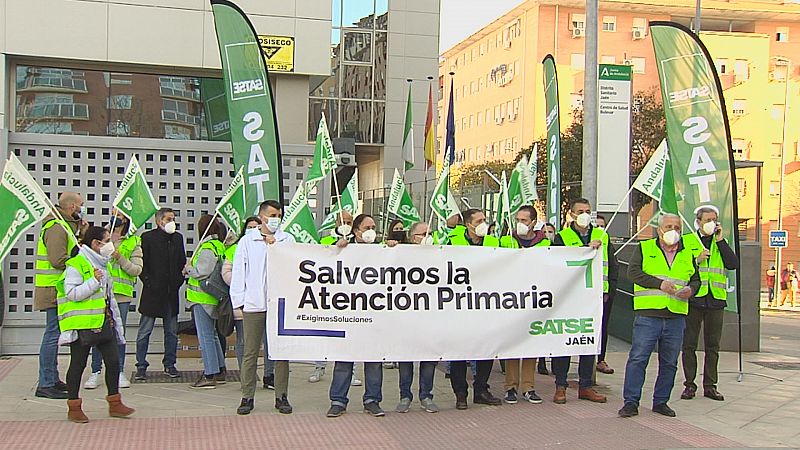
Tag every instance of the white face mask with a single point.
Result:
(709, 228)
(170, 227)
(273, 223)
(482, 229)
(583, 220)
(369, 236)
(671, 237)
(427, 240)
(344, 230)
(107, 249)
(522, 229)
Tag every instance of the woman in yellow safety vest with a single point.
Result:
(227, 275)
(85, 297)
(210, 250)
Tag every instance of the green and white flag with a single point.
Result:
(553, 124)
(442, 202)
(533, 172)
(649, 180)
(348, 201)
(134, 199)
(324, 159)
(22, 201)
(503, 207)
(697, 132)
(400, 203)
(215, 109)
(408, 134)
(231, 207)
(251, 108)
(298, 220)
(519, 187)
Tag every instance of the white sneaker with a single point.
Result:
(93, 381)
(123, 381)
(355, 382)
(316, 375)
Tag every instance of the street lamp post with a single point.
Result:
(785, 62)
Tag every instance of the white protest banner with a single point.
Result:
(411, 303)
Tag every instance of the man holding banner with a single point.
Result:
(476, 233)
(54, 249)
(581, 233)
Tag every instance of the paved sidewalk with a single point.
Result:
(759, 412)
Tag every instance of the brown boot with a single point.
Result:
(75, 413)
(591, 395)
(116, 408)
(560, 396)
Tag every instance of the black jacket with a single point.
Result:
(164, 258)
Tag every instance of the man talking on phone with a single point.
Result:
(707, 306)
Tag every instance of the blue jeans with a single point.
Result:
(210, 348)
(97, 360)
(343, 374)
(647, 332)
(146, 324)
(48, 351)
(560, 367)
(426, 371)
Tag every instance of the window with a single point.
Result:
(782, 34)
(741, 187)
(722, 66)
(639, 27)
(739, 148)
(741, 70)
(120, 102)
(777, 112)
(609, 23)
(578, 21)
(118, 128)
(775, 150)
(577, 61)
(638, 64)
(606, 59)
(774, 188)
(739, 107)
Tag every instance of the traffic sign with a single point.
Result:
(778, 238)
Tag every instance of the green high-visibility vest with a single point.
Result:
(511, 242)
(47, 275)
(329, 240)
(654, 263)
(84, 314)
(123, 281)
(229, 252)
(713, 274)
(194, 293)
(571, 239)
(461, 239)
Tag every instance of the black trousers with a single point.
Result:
(604, 326)
(458, 376)
(79, 355)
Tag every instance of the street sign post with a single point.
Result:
(778, 239)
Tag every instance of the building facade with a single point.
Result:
(755, 44)
(84, 85)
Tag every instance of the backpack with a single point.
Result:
(215, 286)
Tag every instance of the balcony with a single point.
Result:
(55, 110)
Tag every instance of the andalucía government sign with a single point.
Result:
(411, 303)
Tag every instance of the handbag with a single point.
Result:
(97, 336)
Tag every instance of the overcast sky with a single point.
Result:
(461, 18)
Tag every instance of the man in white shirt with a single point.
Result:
(249, 292)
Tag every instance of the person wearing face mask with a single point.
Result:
(363, 233)
(475, 234)
(608, 300)
(520, 373)
(54, 249)
(250, 223)
(126, 266)
(707, 306)
(581, 233)
(665, 277)
(419, 234)
(343, 230)
(249, 293)
(202, 305)
(86, 303)
(163, 257)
